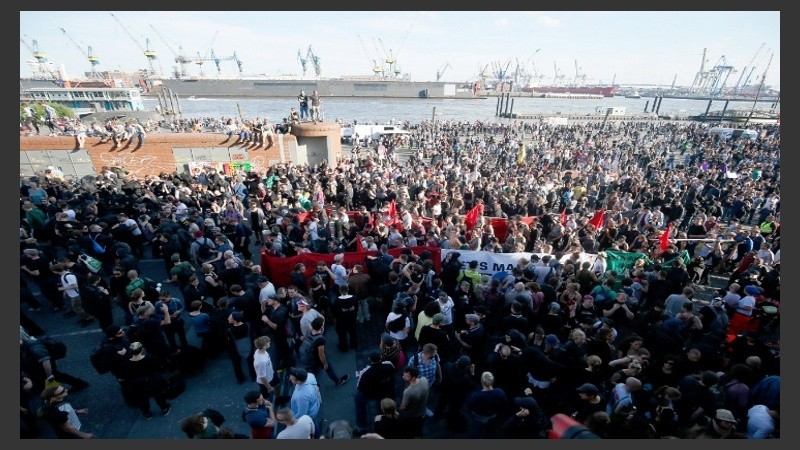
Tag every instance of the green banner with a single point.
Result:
(620, 261)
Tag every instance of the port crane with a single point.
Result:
(88, 53)
(440, 72)
(180, 58)
(376, 68)
(740, 84)
(558, 77)
(148, 53)
(303, 62)
(389, 57)
(580, 78)
(534, 76)
(200, 60)
(499, 71)
(315, 61)
(40, 65)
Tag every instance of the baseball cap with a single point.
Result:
(302, 302)
(587, 388)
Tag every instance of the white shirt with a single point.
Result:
(68, 278)
(72, 416)
(402, 334)
(263, 365)
(266, 292)
(302, 429)
(447, 310)
(133, 226)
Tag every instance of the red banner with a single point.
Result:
(279, 269)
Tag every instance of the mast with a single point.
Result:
(758, 92)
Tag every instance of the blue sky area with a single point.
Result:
(625, 46)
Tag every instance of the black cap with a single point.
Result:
(588, 388)
(528, 403)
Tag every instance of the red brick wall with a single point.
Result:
(156, 154)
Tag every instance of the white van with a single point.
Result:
(728, 133)
(371, 131)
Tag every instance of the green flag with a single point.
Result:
(621, 261)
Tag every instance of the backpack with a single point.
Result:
(133, 285)
(305, 354)
(187, 270)
(99, 249)
(720, 394)
(103, 358)
(93, 264)
(204, 251)
(397, 324)
(464, 277)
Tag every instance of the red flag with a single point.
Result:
(359, 245)
(665, 238)
(564, 217)
(472, 216)
(598, 219)
(392, 215)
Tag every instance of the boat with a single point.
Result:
(605, 91)
(86, 100)
(739, 115)
(634, 94)
(349, 87)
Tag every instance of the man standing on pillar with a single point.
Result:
(315, 104)
(303, 99)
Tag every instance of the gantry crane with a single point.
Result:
(202, 59)
(440, 72)
(315, 61)
(740, 84)
(40, 66)
(88, 53)
(376, 68)
(180, 58)
(148, 53)
(303, 61)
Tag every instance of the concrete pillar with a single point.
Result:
(323, 141)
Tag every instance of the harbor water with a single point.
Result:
(391, 110)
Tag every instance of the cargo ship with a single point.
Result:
(350, 87)
(605, 91)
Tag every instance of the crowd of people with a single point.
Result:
(634, 353)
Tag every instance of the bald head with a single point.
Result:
(633, 384)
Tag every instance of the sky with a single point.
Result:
(624, 47)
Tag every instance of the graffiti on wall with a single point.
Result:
(139, 165)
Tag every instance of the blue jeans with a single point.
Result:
(304, 112)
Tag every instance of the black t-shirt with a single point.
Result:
(345, 306)
(585, 409)
(39, 264)
(438, 337)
